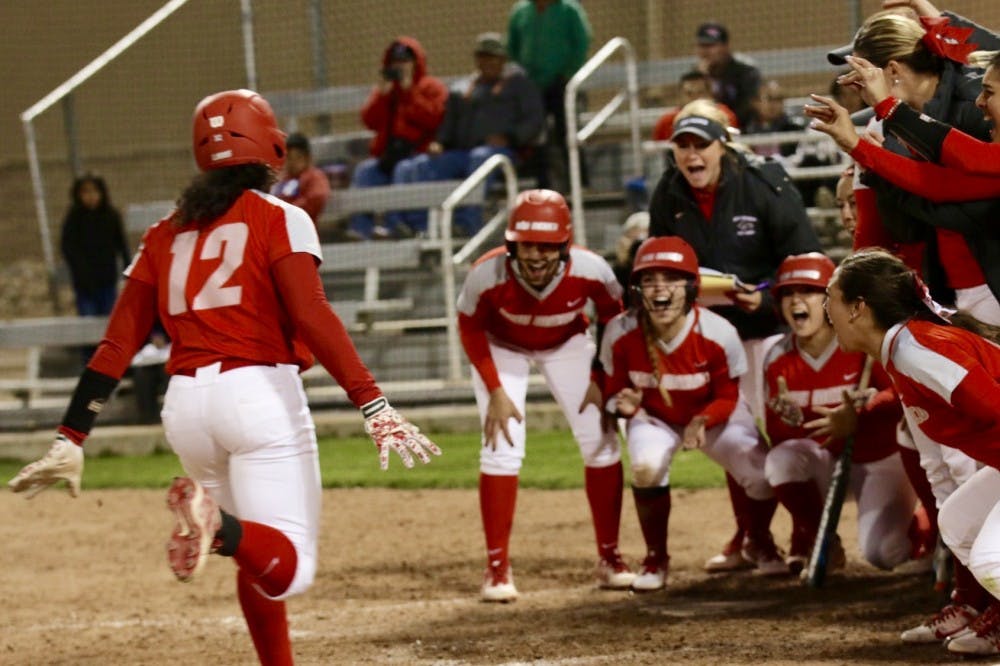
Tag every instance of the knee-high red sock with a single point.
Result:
(918, 479)
(604, 493)
(267, 557)
(804, 503)
(652, 505)
(967, 589)
(740, 503)
(497, 498)
(267, 622)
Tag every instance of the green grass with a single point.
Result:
(553, 462)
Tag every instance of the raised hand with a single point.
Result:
(783, 405)
(63, 462)
(832, 119)
(390, 430)
(868, 78)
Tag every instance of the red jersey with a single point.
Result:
(496, 305)
(699, 368)
(821, 381)
(948, 380)
(216, 296)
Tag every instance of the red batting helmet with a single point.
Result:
(671, 253)
(236, 127)
(540, 216)
(812, 269)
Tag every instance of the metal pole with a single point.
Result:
(249, 57)
(72, 135)
(320, 78)
(43, 212)
(856, 17)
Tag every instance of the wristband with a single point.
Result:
(370, 409)
(89, 397)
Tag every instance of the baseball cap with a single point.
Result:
(712, 33)
(706, 128)
(838, 55)
(490, 43)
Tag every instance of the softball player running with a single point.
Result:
(523, 305)
(808, 381)
(948, 380)
(673, 370)
(231, 274)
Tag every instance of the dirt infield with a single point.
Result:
(85, 582)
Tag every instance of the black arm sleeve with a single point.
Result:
(920, 133)
(89, 397)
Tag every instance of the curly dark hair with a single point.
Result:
(212, 193)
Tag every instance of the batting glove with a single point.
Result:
(390, 430)
(64, 461)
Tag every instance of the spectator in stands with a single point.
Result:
(742, 216)
(496, 110)
(768, 115)
(404, 110)
(549, 39)
(693, 85)
(735, 79)
(302, 183)
(93, 240)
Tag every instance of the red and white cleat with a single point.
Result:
(498, 586)
(198, 519)
(948, 621)
(613, 573)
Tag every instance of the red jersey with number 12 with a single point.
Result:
(216, 298)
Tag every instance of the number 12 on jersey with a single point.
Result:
(228, 241)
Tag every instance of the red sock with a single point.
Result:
(267, 556)
(604, 493)
(740, 503)
(653, 508)
(267, 622)
(918, 479)
(497, 497)
(967, 589)
(804, 503)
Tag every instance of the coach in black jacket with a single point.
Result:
(757, 216)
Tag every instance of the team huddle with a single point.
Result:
(731, 333)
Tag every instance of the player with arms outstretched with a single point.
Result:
(232, 276)
(523, 305)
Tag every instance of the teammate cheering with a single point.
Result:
(523, 305)
(948, 380)
(673, 371)
(808, 418)
(232, 276)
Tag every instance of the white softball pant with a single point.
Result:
(735, 445)
(881, 490)
(970, 526)
(566, 370)
(752, 381)
(947, 468)
(247, 436)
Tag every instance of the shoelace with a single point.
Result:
(947, 613)
(987, 625)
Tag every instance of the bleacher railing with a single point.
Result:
(576, 137)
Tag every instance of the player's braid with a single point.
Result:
(649, 334)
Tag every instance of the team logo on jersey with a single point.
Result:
(746, 225)
(916, 415)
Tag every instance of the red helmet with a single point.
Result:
(236, 127)
(812, 269)
(668, 253)
(540, 216)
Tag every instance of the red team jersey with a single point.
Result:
(497, 306)
(948, 380)
(215, 294)
(700, 368)
(821, 381)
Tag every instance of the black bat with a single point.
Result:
(815, 573)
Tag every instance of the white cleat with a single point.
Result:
(949, 621)
(498, 586)
(198, 519)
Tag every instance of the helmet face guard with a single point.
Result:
(236, 127)
(539, 216)
(812, 269)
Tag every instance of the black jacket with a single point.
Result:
(758, 220)
(92, 241)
